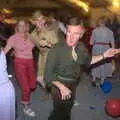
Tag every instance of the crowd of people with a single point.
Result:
(61, 57)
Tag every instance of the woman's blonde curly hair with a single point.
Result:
(37, 14)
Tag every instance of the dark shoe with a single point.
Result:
(94, 84)
(101, 85)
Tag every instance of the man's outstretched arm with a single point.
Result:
(108, 54)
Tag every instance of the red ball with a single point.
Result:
(113, 107)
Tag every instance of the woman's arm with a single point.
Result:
(9, 44)
(92, 39)
(7, 48)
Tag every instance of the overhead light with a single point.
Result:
(7, 11)
(81, 4)
(10, 21)
(116, 3)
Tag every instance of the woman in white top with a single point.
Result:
(7, 94)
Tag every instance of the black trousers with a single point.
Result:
(62, 108)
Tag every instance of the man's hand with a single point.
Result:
(108, 54)
(65, 91)
(111, 52)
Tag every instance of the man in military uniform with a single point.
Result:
(63, 69)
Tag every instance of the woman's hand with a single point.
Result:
(44, 43)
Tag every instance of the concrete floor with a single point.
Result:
(90, 101)
(89, 105)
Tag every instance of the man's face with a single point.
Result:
(74, 33)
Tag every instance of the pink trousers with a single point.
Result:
(25, 74)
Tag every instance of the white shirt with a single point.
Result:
(3, 68)
(62, 27)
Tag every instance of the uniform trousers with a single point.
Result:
(62, 108)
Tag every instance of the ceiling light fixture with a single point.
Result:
(116, 3)
(80, 4)
(6, 11)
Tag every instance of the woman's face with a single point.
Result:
(39, 22)
(23, 27)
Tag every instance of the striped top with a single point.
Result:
(22, 45)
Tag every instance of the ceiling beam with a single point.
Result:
(100, 3)
(92, 3)
(71, 4)
(65, 2)
(31, 4)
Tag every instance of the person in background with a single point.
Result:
(113, 24)
(45, 36)
(7, 92)
(5, 32)
(3, 36)
(63, 69)
(56, 21)
(24, 63)
(101, 40)
(86, 38)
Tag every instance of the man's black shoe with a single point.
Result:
(94, 84)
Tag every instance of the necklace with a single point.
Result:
(24, 37)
